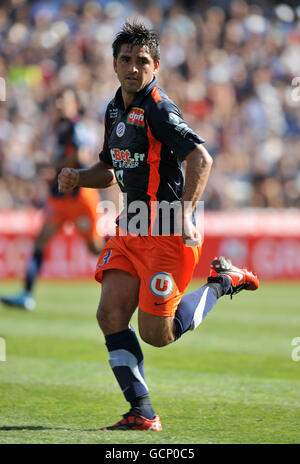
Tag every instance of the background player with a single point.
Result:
(151, 272)
(78, 206)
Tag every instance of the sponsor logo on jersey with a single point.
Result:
(121, 155)
(136, 117)
(120, 130)
(124, 159)
(161, 284)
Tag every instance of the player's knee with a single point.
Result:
(104, 319)
(111, 320)
(155, 338)
(156, 330)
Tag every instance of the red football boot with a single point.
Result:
(241, 279)
(134, 421)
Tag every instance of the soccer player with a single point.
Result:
(78, 206)
(146, 140)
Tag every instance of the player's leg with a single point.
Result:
(165, 312)
(224, 279)
(119, 299)
(36, 261)
(25, 299)
(162, 292)
(160, 330)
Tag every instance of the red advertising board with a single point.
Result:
(66, 254)
(266, 241)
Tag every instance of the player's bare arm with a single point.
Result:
(99, 176)
(198, 166)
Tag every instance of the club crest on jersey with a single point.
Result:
(136, 117)
(120, 130)
(161, 284)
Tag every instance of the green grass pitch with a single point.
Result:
(233, 380)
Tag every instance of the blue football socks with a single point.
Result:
(32, 270)
(126, 360)
(195, 306)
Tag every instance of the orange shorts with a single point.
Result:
(164, 266)
(79, 209)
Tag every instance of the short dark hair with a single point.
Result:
(137, 34)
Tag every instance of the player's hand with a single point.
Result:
(190, 235)
(68, 179)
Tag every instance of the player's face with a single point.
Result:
(135, 68)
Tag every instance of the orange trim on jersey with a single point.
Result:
(154, 176)
(156, 95)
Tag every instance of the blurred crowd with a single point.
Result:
(231, 66)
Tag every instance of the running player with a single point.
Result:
(78, 206)
(146, 140)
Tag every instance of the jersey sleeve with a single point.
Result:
(168, 126)
(104, 155)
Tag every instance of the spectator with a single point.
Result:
(229, 65)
